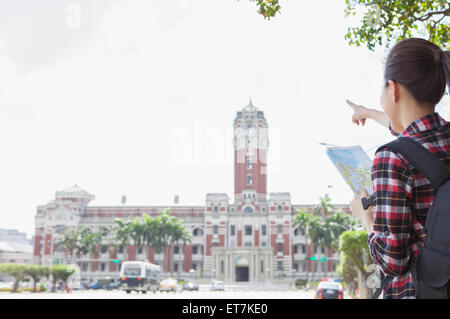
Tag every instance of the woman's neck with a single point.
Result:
(411, 111)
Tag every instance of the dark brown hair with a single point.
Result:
(421, 67)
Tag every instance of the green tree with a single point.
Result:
(353, 245)
(348, 273)
(36, 272)
(122, 231)
(324, 208)
(69, 243)
(388, 21)
(300, 221)
(18, 271)
(267, 8)
(314, 233)
(61, 272)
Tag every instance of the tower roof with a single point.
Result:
(250, 107)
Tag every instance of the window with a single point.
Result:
(176, 250)
(249, 179)
(232, 230)
(84, 266)
(198, 232)
(120, 249)
(296, 267)
(322, 250)
(222, 267)
(280, 247)
(248, 209)
(194, 266)
(280, 229)
(249, 165)
(102, 267)
(248, 230)
(280, 265)
(104, 249)
(216, 229)
(140, 250)
(262, 266)
(303, 249)
(194, 250)
(216, 209)
(263, 230)
(175, 267)
(295, 249)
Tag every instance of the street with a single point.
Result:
(202, 294)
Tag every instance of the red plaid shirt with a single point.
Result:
(403, 196)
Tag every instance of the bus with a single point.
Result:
(139, 276)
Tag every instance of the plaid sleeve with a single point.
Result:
(393, 222)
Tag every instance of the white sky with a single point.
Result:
(100, 106)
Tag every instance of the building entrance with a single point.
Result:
(242, 273)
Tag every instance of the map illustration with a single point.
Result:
(354, 165)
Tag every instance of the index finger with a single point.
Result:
(351, 104)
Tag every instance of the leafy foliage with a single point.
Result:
(387, 21)
(267, 8)
(18, 271)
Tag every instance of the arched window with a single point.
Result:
(197, 232)
(248, 209)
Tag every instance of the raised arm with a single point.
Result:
(361, 113)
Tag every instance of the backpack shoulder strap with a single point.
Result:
(421, 158)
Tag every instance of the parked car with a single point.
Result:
(329, 290)
(168, 284)
(217, 286)
(113, 285)
(92, 285)
(190, 286)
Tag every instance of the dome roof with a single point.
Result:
(74, 192)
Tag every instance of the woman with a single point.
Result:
(416, 74)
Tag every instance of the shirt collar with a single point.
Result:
(428, 122)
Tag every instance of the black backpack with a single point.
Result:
(431, 269)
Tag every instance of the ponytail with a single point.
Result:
(445, 59)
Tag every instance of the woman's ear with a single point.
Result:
(395, 90)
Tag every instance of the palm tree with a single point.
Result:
(122, 229)
(137, 233)
(301, 220)
(314, 231)
(324, 207)
(70, 242)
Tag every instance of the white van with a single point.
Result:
(139, 276)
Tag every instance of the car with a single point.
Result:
(190, 286)
(329, 290)
(112, 285)
(217, 286)
(93, 285)
(168, 284)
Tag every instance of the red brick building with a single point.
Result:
(248, 239)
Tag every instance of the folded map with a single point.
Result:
(354, 165)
